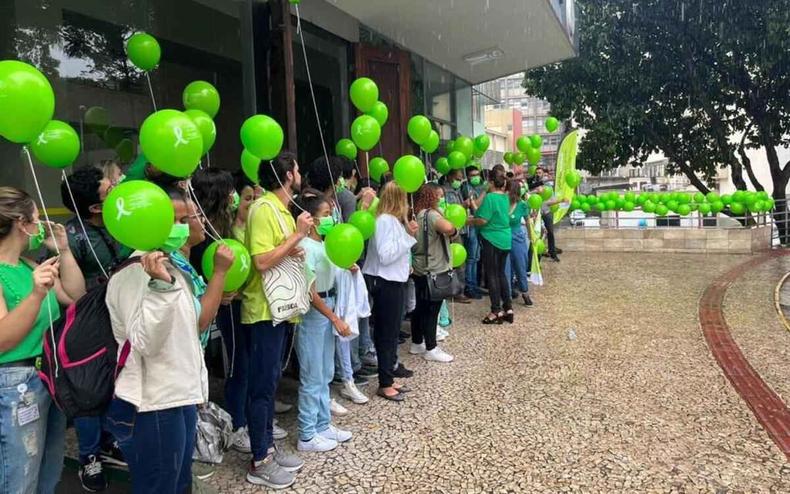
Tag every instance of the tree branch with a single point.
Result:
(747, 163)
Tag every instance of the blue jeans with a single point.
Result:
(157, 445)
(343, 367)
(472, 244)
(267, 344)
(237, 343)
(315, 348)
(31, 455)
(89, 436)
(518, 261)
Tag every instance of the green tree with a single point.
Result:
(701, 81)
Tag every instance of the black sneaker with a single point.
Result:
(92, 475)
(367, 372)
(112, 455)
(360, 381)
(555, 258)
(527, 300)
(402, 371)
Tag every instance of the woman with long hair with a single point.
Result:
(431, 255)
(518, 261)
(387, 263)
(493, 220)
(32, 429)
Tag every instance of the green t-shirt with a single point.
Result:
(496, 211)
(519, 212)
(17, 282)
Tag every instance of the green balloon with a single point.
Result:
(57, 146)
(711, 197)
(662, 210)
(533, 156)
(649, 206)
(641, 199)
(457, 254)
(442, 166)
(27, 101)
(535, 201)
(573, 179)
(540, 246)
(683, 198)
(478, 154)
(97, 119)
(726, 199)
(455, 214)
(481, 143)
(737, 208)
(704, 208)
(619, 203)
(206, 127)
(374, 205)
(201, 95)
(770, 203)
(532, 170)
(763, 195)
(536, 141)
(611, 205)
(672, 205)
(347, 148)
(171, 142)
(378, 167)
(586, 207)
(125, 150)
(552, 124)
(365, 223)
(409, 173)
(628, 206)
(547, 192)
(239, 270)
(716, 207)
(629, 196)
(508, 157)
(364, 94)
(249, 165)
(419, 128)
(380, 112)
(113, 136)
(365, 132)
(448, 148)
(699, 197)
(457, 160)
(518, 159)
(523, 144)
(465, 146)
(432, 143)
(262, 136)
(138, 214)
(344, 244)
(739, 196)
(143, 51)
(684, 210)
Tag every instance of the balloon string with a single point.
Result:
(151, 90)
(290, 196)
(54, 242)
(367, 165)
(315, 105)
(41, 198)
(82, 225)
(216, 235)
(208, 159)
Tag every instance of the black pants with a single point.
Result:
(388, 302)
(548, 223)
(494, 265)
(425, 315)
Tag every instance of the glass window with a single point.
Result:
(438, 92)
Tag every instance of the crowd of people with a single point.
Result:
(162, 305)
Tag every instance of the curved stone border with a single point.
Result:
(777, 298)
(768, 408)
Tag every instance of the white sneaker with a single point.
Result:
(280, 407)
(278, 432)
(335, 434)
(337, 409)
(318, 444)
(441, 333)
(351, 392)
(417, 349)
(437, 355)
(241, 441)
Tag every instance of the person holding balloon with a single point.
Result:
(162, 307)
(517, 262)
(473, 192)
(315, 338)
(493, 219)
(431, 254)
(272, 234)
(387, 263)
(32, 429)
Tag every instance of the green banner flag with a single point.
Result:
(566, 163)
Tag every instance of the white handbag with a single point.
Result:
(285, 284)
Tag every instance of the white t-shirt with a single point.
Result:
(319, 264)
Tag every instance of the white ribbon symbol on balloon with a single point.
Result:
(41, 139)
(179, 137)
(120, 206)
(244, 264)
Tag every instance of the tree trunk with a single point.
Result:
(781, 213)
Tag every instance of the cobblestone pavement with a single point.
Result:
(635, 403)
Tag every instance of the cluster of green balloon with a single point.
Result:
(97, 121)
(463, 152)
(528, 150)
(27, 104)
(201, 100)
(409, 173)
(262, 137)
(682, 203)
(239, 271)
(344, 244)
(457, 254)
(366, 129)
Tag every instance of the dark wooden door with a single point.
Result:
(391, 71)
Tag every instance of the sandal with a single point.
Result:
(402, 388)
(508, 316)
(494, 320)
(396, 397)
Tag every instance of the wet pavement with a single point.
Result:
(635, 403)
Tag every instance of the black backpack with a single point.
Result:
(80, 361)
